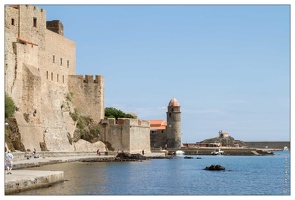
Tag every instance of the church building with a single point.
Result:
(167, 134)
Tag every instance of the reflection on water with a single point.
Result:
(244, 175)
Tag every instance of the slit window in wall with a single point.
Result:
(68, 63)
(53, 58)
(63, 78)
(60, 61)
(34, 22)
(47, 75)
(52, 76)
(56, 77)
(12, 21)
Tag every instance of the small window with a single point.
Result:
(68, 63)
(52, 76)
(172, 109)
(169, 114)
(53, 58)
(57, 77)
(63, 78)
(12, 21)
(60, 61)
(34, 22)
(47, 75)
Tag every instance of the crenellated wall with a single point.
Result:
(40, 75)
(38, 62)
(88, 95)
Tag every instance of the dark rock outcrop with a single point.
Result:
(125, 156)
(215, 167)
(13, 136)
(188, 157)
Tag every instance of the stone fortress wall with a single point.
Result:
(88, 95)
(40, 76)
(38, 64)
(131, 135)
(158, 138)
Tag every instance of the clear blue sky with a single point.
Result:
(227, 65)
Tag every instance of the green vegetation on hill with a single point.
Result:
(111, 112)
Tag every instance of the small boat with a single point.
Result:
(286, 148)
(217, 152)
(179, 153)
(199, 158)
(270, 151)
(188, 157)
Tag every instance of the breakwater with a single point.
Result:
(268, 144)
(227, 151)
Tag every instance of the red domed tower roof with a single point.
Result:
(173, 102)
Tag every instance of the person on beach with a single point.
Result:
(98, 152)
(8, 160)
(27, 155)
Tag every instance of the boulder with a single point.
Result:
(188, 157)
(215, 167)
(127, 156)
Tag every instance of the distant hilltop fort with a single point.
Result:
(58, 110)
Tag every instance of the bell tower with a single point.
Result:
(173, 124)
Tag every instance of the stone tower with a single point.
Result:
(173, 124)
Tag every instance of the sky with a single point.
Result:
(227, 65)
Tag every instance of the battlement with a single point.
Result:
(127, 122)
(87, 78)
(55, 26)
(27, 6)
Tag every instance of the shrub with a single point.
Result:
(111, 112)
(9, 106)
(74, 115)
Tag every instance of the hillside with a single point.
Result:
(229, 141)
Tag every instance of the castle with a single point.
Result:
(41, 79)
(40, 66)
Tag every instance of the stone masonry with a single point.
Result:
(40, 77)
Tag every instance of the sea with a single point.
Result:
(243, 175)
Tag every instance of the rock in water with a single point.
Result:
(215, 167)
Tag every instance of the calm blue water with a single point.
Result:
(244, 175)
